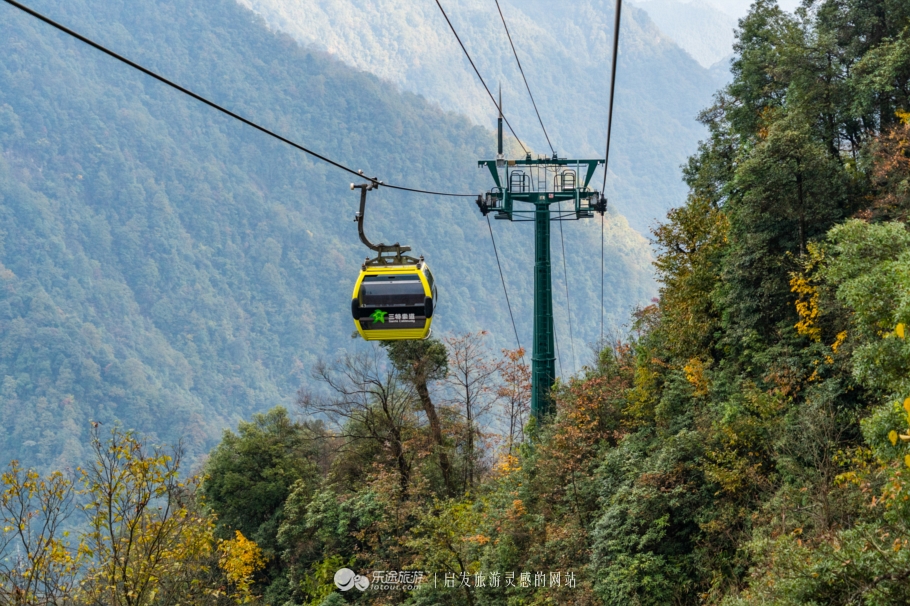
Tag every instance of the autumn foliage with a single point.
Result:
(126, 530)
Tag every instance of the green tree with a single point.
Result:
(250, 475)
(421, 362)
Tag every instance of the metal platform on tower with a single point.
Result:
(542, 180)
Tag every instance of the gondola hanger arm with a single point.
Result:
(397, 249)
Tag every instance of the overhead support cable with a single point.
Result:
(612, 92)
(602, 222)
(520, 69)
(565, 274)
(603, 189)
(219, 108)
(476, 71)
(558, 357)
(503, 278)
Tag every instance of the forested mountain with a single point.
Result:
(167, 268)
(565, 50)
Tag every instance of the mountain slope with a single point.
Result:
(165, 267)
(566, 52)
(704, 31)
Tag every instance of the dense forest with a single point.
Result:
(170, 269)
(746, 442)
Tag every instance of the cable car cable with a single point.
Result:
(603, 188)
(515, 53)
(602, 221)
(612, 92)
(221, 109)
(476, 71)
(565, 273)
(502, 277)
(558, 357)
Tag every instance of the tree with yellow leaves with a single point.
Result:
(240, 558)
(38, 563)
(149, 540)
(145, 540)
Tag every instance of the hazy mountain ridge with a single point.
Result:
(566, 56)
(167, 268)
(702, 30)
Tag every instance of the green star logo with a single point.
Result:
(379, 316)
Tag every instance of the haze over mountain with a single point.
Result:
(738, 8)
(702, 30)
(565, 49)
(167, 268)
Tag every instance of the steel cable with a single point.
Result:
(476, 71)
(221, 109)
(521, 69)
(503, 278)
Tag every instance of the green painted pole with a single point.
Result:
(543, 362)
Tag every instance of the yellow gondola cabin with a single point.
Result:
(394, 302)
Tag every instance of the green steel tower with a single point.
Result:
(541, 182)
